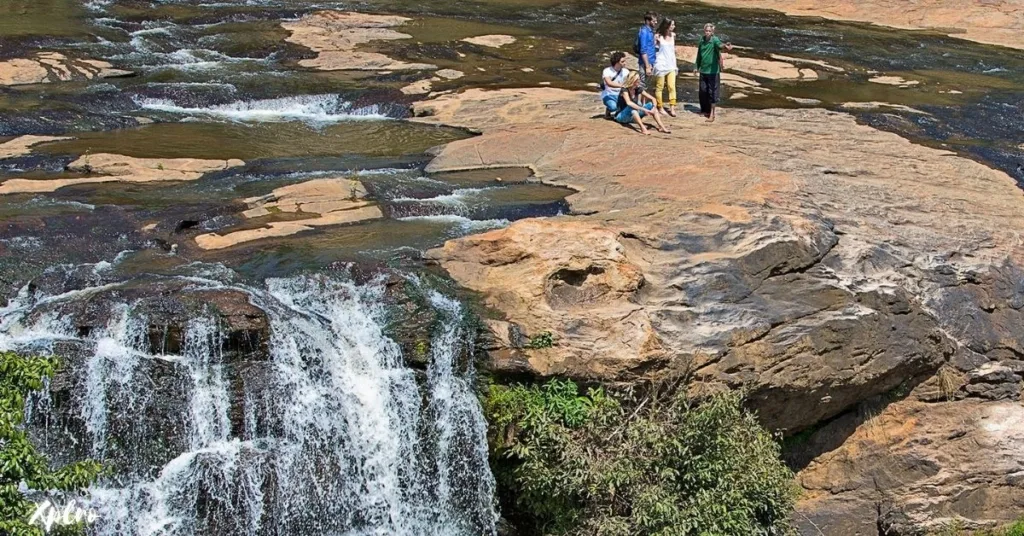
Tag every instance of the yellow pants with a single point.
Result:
(666, 81)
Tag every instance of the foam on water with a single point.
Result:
(461, 223)
(316, 109)
(457, 197)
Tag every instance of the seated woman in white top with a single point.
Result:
(665, 68)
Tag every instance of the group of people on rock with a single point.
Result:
(625, 94)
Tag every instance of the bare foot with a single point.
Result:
(711, 118)
(664, 130)
(645, 132)
(671, 112)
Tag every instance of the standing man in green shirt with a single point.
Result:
(709, 66)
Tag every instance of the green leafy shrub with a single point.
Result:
(572, 464)
(956, 529)
(19, 461)
(541, 340)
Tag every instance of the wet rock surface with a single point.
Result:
(819, 267)
(168, 307)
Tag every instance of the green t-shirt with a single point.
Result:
(709, 55)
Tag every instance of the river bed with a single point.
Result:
(401, 443)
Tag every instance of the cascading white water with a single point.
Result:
(313, 109)
(340, 437)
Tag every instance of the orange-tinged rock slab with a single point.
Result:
(335, 36)
(813, 261)
(287, 228)
(995, 22)
(22, 145)
(328, 201)
(935, 464)
(44, 67)
(776, 182)
(493, 41)
(108, 167)
(572, 276)
(892, 80)
(824, 65)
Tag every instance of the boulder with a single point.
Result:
(570, 278)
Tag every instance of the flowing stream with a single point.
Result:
(261, 389)
(333, 434)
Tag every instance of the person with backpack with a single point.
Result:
(644, 47)
(709, 66)
(613, 79)
(666, 70)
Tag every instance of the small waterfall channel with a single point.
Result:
(330, 432)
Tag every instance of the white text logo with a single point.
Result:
(48, 514)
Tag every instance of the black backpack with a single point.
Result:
(636, 45)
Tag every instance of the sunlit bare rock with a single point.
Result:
(893, 81)
(770, 69)
(493, 41)
(995, 22)
(330, 201)
(335, 36)
(44, 67)
(22, 145)
(816, 262)
(106, 167)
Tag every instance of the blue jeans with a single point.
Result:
(611, 104)
(625, 115)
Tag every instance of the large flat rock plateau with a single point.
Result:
(843, 276)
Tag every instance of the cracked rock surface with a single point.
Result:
(818, 263)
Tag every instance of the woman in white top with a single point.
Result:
(665, 68)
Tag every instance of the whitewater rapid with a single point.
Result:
(338, 434)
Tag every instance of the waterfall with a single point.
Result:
(332, 434)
